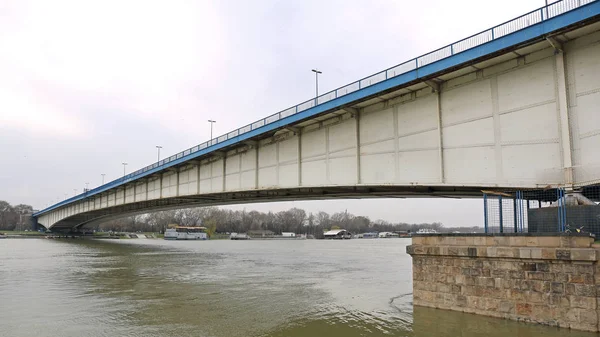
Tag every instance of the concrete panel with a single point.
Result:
(248, 160)
(206, 186)
(422, 140)
(129, 193)
(211, 177)
(590, 152)
(288, 151)
(377, 168)
(501, 67)
(141, 192)
(475, 165)
(120, 194)
(111, 198)
(169, 185)
(384, 146)
(188, 182)
(533, 124)
(232, 182)
(313, 143)
(216, 184)
(267, 177)
(154, 189)
(532, 163)
(217, 169)
(467, 102)
(588, 112)
(342, 135)
(418, 115)
(342, 171)
(351, 152)
(586, 67)
(288, 175)
(248, 180)
(267, 155)
(104, 200)
(527, 85)
(97, 203)
(233, 164)
(419, 166)
(205, 172)
(376, 126)
(478, 132)
(314, 173)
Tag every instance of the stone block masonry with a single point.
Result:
(546, 279)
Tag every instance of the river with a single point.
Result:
(224, 288)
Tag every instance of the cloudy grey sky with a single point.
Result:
(87, 85)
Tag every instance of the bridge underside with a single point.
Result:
(243, 197)
(524, 116)
(91, 218)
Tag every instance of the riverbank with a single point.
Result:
(22, 234)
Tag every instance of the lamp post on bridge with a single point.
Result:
(74, 191)
(317, 72)
(124, 165)
(158, 147)
(86, 187)
(211, 129)
(102, 174)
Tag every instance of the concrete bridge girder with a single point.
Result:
(523, 119)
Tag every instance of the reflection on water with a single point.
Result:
(223, 288)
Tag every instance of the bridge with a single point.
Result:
(514, 106)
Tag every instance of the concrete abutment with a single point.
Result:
(545, 279)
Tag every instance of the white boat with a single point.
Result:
(186, 233)
(3, 236)
(239, 236)
(427, 231)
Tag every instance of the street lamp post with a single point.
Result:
(86, 186)
(158, 147)
(211, 129)
(317, 72)
(124, 165)
(74, 191)
(102, 174)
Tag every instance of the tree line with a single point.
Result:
(229, 221)
(16, 217)
(292, 220)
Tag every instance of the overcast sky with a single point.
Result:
(87, 85)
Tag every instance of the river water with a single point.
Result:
(223, 288)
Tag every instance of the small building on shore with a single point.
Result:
(261, 233)
(370, 235)
(340, 234)
(388, 235)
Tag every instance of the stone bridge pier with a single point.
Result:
(547, 279)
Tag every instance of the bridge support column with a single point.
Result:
(563, 111)
(160, 195)
(440, 134)
(177, 182)
(256, 166)
(357, 118)
(224, 171)
(298, 134)
(147, 186)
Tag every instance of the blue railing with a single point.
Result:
(524, 21)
